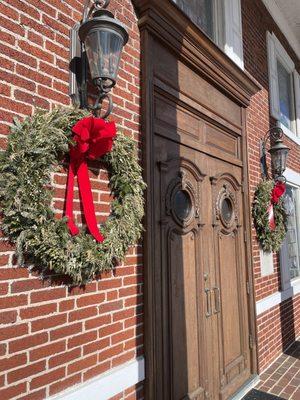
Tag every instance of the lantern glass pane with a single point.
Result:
(279, 159)
(103, 48)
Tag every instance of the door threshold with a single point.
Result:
(250, 384)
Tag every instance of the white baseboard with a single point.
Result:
(108, 384)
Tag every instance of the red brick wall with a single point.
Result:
(52, 338)
(273, 334)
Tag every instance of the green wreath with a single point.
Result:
(270, 240)
(36, 148)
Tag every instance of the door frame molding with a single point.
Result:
(162, 20)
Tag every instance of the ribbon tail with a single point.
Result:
(272, 223)
(87, 201)
(69, 201)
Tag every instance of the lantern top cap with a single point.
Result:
(103, 19)
(279, 145)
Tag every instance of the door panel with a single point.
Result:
(201, 274)
(179, 232)
(230, 279)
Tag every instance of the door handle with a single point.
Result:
(208, 303)
(217, 295)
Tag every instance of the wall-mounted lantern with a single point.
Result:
(278, 151)
(96, 48)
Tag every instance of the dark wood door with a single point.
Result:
(199, 241)
(199, 314)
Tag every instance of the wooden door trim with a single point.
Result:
(161, 19)
(166, 22)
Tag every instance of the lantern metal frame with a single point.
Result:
(79, 65)
(274, 136)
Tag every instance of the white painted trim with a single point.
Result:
(290, 134)
(107, 385)
(292, 176)
(275, 299)
(283, 25)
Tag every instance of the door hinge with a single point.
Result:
(251, 341)
(245, 236)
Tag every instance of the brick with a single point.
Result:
(122, 359)
(37, 395)
(35, 76)
(12, 391)
(110, 329)
(89, 300)
(82, 339)
(64, 358)
(12, 362)
(122, 336)
(36, 26)
(26, 285)
(14, 106)
(82, 364)
(34, 100)
(28, 342)
(48, 322)
(2, 349)
(82, 314)
(13, 273)
(13, 301)
(66, 305)
(19, 56)
(12, 26)
(33, 312)
(96, 370)
(97, 322)
(47, 295)
(65, 383)
(3, 288)
(8, 317)
(47, 378)
(29, 370)
(10, 332)
(66, 331)
(108, 307)
(96, 346)
(47, 350)
(109, 353)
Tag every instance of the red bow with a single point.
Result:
(277, 192)
(94, 138)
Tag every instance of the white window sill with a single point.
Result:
(277, 298)
(290, 134)
(295, 283)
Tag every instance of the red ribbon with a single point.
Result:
(277, 192)
(94, 138)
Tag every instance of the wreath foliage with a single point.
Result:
(36, 148)
(270, 240)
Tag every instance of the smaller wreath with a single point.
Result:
(37, 147)
(270, 238)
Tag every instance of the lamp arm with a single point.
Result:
(263, 158)
(97, 4)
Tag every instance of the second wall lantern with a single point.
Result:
(278, 152)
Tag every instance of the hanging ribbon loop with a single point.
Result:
(277, 192)
(93, 138)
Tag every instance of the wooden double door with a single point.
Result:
(199, 303)
(200, 250)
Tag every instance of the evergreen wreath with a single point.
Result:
(270, 240)
(37, 147)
